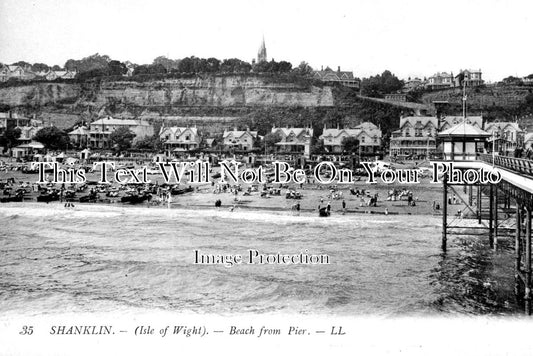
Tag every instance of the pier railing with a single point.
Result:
(519, 165)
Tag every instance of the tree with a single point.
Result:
(303, 69)
(86, 64)
(9, 138)
(121, 139)
(350, 144)
(117, 68)
(270, 141)
(213, 65)
(22, 64)
(40, 67)
(52, 138)
(234, 65)
(378, 85)
(150, 143)
(512, 81)
(169, 64)
(149, 69)
(318, 147)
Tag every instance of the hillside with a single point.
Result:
(251, 100)
(493, 102)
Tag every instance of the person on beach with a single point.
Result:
(343, 207)
(169, 199)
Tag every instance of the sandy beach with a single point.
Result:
(427, 197)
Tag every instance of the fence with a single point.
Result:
(520, 165)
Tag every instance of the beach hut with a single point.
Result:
(159, 158)
(60, 157)
(85, 154)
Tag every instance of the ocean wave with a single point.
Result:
(281, 217)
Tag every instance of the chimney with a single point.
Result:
(339, 69)
(321, 68)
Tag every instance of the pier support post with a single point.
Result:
(491, 208)
(495, 239)
(479, 204)
(518, 250)
(527, 262)
(470, 195)
(444, 210)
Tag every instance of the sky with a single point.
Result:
(408, 37)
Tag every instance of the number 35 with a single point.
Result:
(26, 330)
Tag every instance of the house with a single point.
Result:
(27, 133)
(4, 73)
(11, 71)
(342, 77)
(27, 150)
(508, 136)
(100, 130)
(11, 120)
(294, 140)
(239, 140)
(14, 71)
(60, 74)
(368, 135)
(440, 80)
(468, 77)
(179, 139)
(412, 84)
(79, 136)
(528, 80)
(416, 137)
(528, 141)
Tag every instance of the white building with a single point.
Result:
(368, 135)
(239, 140)
(180, 139)
(100, 130)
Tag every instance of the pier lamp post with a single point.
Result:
(493, 147)
(427, 146)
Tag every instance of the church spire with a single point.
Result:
(262, 53)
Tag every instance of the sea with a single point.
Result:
(102, 258)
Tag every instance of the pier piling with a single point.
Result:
(444, 210)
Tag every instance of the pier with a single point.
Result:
(511, 198)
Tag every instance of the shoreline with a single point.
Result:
(380, 210)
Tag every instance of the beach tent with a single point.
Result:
(85, 154)
(48, 158)
(71, 161)
(60, 157)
